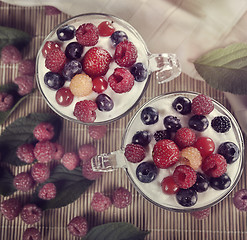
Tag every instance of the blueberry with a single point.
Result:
(117, 37)
(198, 123)
(202, 183)
(146, 172)
(104, 102)
(230, 151)
(220, 183)
(66, 32)
(142, 138)
(149, 116)
(172, 123)
(221, 124)
(182, 105)
(187, 197)
(139, 71)
(71, 68)
(162, 134)
(74, 50)
(54, 80)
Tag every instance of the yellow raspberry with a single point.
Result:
(81, 85)
(191, 156)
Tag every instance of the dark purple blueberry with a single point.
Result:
(162, 134)
(187, 197)
(66, 33)
(199, 123)
(240, 200)
(146, 172)
(139, 71)
(117, 37)
(149, 116)
(202, 183)
(221, 124)
(172, 123)
(182, 105)
(142, 138)
(54, 80)
(220, 183)
(74, 50)
(71, 68)
(230, 151)
(104, 102)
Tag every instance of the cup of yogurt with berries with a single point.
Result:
(94, 68)
(183, 151)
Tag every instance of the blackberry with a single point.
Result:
(146, 172)
(142, 137)
(182, 105)
(162, 134)
(149, 116)
(230, 151)
(199, 123)
(172, 123)
(221, 124)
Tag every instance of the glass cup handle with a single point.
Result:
(108, 162)
(165, 65)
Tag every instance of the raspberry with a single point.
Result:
(125, 54)
(50, 10)
(85, 111)
(81, 85)
(6, 101)
(184, 176)
(240, 200)
(202, 105)
(214, 165)
(48, 191)
(201, 214)
(10, 54)
(31, 214)
(44, 151)
(44, 131)
(185, 137)
(31, 234)
(221, 124)
(88, 172)
(40, 172)
(78, 226)
(121, 198)
(97, 132)
(86, 152)
(59, 151)
(100, 202)
(162, 134)
(70, 160)
(25, 153)
(121, 80)
(165, 153)
(191, 156)
(55, 60)
(10, 208)
(87, 34)
(26, 67)
(49, 46)
(23, 181)
(25, 84)
(134, 153)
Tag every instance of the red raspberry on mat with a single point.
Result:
(44, 131)
(85, 111)
(31, 214)
(100, 202)
(55, 60)
(202, 105)
(240, 200)
(125, 54)
(214, 165)
(87, 34)
(184, 176)
(25, 152)
(191, 156)
(97, 132)
(40, 172)
(86, 152)
(26, 67)
(44, 151)
(185, 137)
(10, 208)
(78, 226)
(23, 181)
(10, 54)
(6, 101)
(70, 160)
(59, 151)
(88, 172)
(50, 10)
(49, 46)
(25, 84)
(121, 198)
(48, 191)
(201, 214)
(134, 153)
(165, 153)
(31, 234)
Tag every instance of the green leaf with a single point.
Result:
(6, 182)
(116, 231)
(69, 184)
(14, 37)
(21, 131)
(225, 68)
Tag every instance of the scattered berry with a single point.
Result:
(54, 80)
(87, 34)
(172, 123)
(202, 183)
(55, 60)
(31, 214)
(71, 68)
(100, 202)
(59, 151)
(86, 152)
(229, 151)
(26, 67)
(10, 208)
(78, 226)
(25, 84)
(202, 105)
(40, 172)
(121, 198)
(201, 214)
(221, 124)
(50, 10)
(104, 102)
(199, 123)
(48, 191)
(31, 234)
(97, 132)
(70, 160)
(191, 156)
(85, 111)
(73, 50)
(185, 137)
(142, 138)
(25, 153)
(99, 84)
(162, 134)
(44, 131)
(149, 116)
(117, 37)
(66, 32)
(205, 145)
(6, 101)
(182, 105)
(10, 54)
(88, 172)
(169, 186)
(146, 172)
(49, 46)
(186, 197)
(44, 151)
(134, 153)
(23, 181)
(106, 29)
(220, 183)
(139, 71)
(64, 96)
(240, 200)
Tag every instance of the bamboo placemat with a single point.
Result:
(225, 221)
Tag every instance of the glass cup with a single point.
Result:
(165, 66)
(152, 191)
